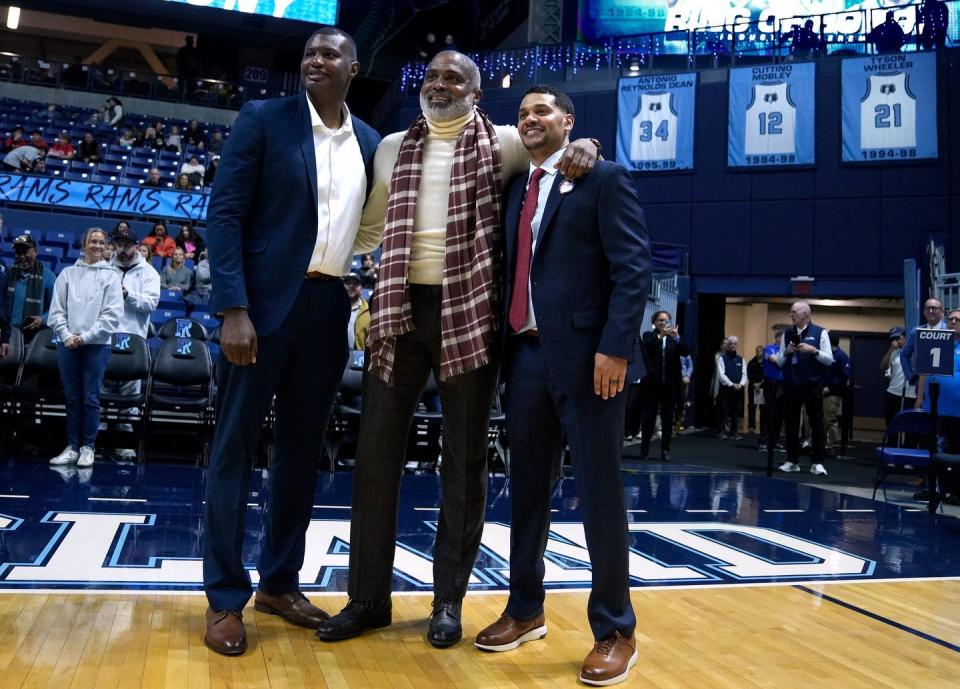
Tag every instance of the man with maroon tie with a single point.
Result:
(576, 280)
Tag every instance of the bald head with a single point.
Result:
(800, 314)
(451, 87)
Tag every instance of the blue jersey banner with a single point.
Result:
(115, 198)
(890, 108)
(770, 120)
(655, 122)
(314, 11)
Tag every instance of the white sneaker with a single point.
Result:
(125, 454)
(68, 456)
(789, 467)
(818, 470)
(86, 457)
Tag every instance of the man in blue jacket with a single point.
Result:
(932, 318)
(282, 229)
(567, 345)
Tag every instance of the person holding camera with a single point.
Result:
(804, 357)
(663, 384)
(86, 310)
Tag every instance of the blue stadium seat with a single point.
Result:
(76, 176)
(51, 250)
(80, 166)
(59, 238)
(52, 262)
(161, 316)
(72, 255)
(104, 179)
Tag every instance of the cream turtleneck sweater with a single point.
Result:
(428, 244)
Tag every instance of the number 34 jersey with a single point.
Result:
(653, 133)
(888, 113)
(771, 120)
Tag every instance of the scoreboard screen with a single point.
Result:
(313, 11)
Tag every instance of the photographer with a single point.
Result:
(29, 289)
(804, 357)
(86, 310)
(663, 384)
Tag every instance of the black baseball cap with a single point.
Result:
(124, 234)
(352, 275)
(25, 240)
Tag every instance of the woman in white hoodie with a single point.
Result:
(86, 309)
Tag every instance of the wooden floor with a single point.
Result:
(728, 637)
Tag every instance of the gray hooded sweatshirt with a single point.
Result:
(87, 301)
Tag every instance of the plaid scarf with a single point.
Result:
(33, 302)
(468, 313)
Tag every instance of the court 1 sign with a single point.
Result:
(935, 352)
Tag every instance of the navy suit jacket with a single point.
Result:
(262, 219)
(590, 274)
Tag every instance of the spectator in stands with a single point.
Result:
(47, 114)
(191, 242)
(86, 310)
(804, 356)
(359, 325)
(663, 382)
(128, 138)
(88, 150)
(755, 390)
(15, 139)
(176, 276)
(804, 41)
(29, 288)
(63, 148)
(183, 182)
(154, 179)
(188, 67)
(732, 374)
(837, 383)
(900, 393)
(38, 142)
(114, 112)
(146, 252)
(211, 172)
(686, 373)
(935, 16)
(887, 37)
(195, 134)
(22, 159)
(368, 272)
(152, 140)
(202, 282)
(173, 142)
(159, 241)
(215, 145)
(932, 318)
(140, 284)
(109, 249)
(194, 171)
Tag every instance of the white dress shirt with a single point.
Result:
(824, 351)
(341, 192)
(546, 184)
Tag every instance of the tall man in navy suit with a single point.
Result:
(282, 228)
(577, 276)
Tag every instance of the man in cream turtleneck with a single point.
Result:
(437, 191)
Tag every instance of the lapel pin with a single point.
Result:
(566, 186)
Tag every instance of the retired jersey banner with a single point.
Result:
(655, 122)
(771, 116)
(890, 108)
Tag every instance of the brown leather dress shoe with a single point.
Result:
(507, 633)
(610, 661)
(225, 632)
(293, 607)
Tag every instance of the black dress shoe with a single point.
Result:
(445, 629)
(358, 616)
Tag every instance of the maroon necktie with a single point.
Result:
(521, 276)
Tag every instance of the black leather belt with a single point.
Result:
(316, 275)
(529, 333)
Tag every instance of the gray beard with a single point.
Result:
(453, 110)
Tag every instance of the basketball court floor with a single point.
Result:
(740, 581)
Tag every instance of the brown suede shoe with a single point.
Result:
(507, 633)
(610, 661)
(225, 632)
(293, 607)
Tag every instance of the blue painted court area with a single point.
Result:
(134, 527)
